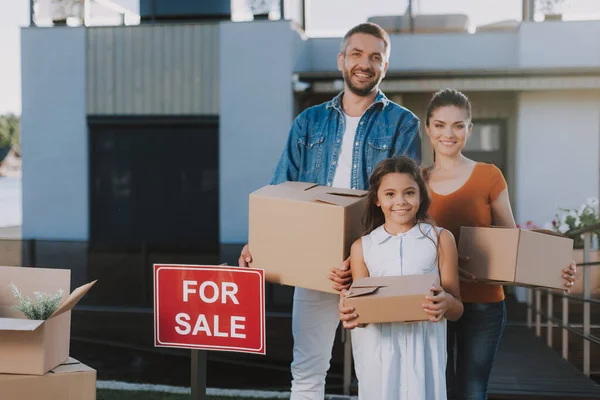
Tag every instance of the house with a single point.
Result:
(155, 134)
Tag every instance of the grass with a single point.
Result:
(131, 395)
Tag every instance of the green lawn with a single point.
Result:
(129, 395)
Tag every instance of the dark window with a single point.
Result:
(154, 182)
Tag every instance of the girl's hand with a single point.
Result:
(437, 304)
(347, 314)
(569, 276)
(463, 274)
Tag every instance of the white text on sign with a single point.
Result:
(210, 292)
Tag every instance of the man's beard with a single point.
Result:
(364, 90)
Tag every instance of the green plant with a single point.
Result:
(568, 220)
(44, 307)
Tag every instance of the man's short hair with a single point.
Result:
(368, 28)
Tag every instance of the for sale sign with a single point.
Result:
(209, 308)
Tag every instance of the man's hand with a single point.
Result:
(341, 276)
(245, 257)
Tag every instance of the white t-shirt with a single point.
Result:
(343, 170)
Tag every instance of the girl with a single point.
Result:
(468, 193)
(399, 361)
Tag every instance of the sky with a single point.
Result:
(325, 18)
(13, 15)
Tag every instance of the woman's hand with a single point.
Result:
(463, 274)
(569, 276)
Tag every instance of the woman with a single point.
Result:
(468, 193)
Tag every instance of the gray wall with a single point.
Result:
(54, 134)
(256, 111)
(153, 69)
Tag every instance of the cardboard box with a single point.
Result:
(391, 298)
(516, 256)
(71, 380)
(299, 231)
(28, 346)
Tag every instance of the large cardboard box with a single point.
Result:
(391, 298)
(299, 231)
(71, 380)
(516, 256)
(28, 346)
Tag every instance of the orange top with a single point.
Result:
(470, 205)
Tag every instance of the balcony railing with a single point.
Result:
(581, 330)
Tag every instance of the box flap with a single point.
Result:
(19, 324)
(70, 368)
(375, 281)
(339, 197)
(347, 192)
(298, 185)
(73, 299)
(361, 291)
(408, 284)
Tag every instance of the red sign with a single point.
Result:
(209, 308)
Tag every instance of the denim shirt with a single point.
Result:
(315, 139)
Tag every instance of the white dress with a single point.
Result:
(399, 361)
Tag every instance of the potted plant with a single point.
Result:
(43, 307)
(552, 9)
(260, 8)
(64, 9)
(567, 221)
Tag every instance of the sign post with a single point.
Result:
(214, 308)
(198, 375)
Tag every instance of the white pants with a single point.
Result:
(315, 318)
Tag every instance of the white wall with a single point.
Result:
(256, 111)
(450, 51)
(558, 44)
(54, 134)
(557, 160)
(533, 45)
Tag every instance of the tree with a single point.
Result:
(10, 130)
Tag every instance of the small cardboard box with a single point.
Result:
(516, 256)
(391, 298)
(71, 380)
(28, 346)
(298, 231)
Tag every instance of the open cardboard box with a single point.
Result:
(298, 231)
(390, 298)
(516, 256)
(71, 380)
(28, 346)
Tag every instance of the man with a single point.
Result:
(339, 143)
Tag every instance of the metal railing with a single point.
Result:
(586, 299)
